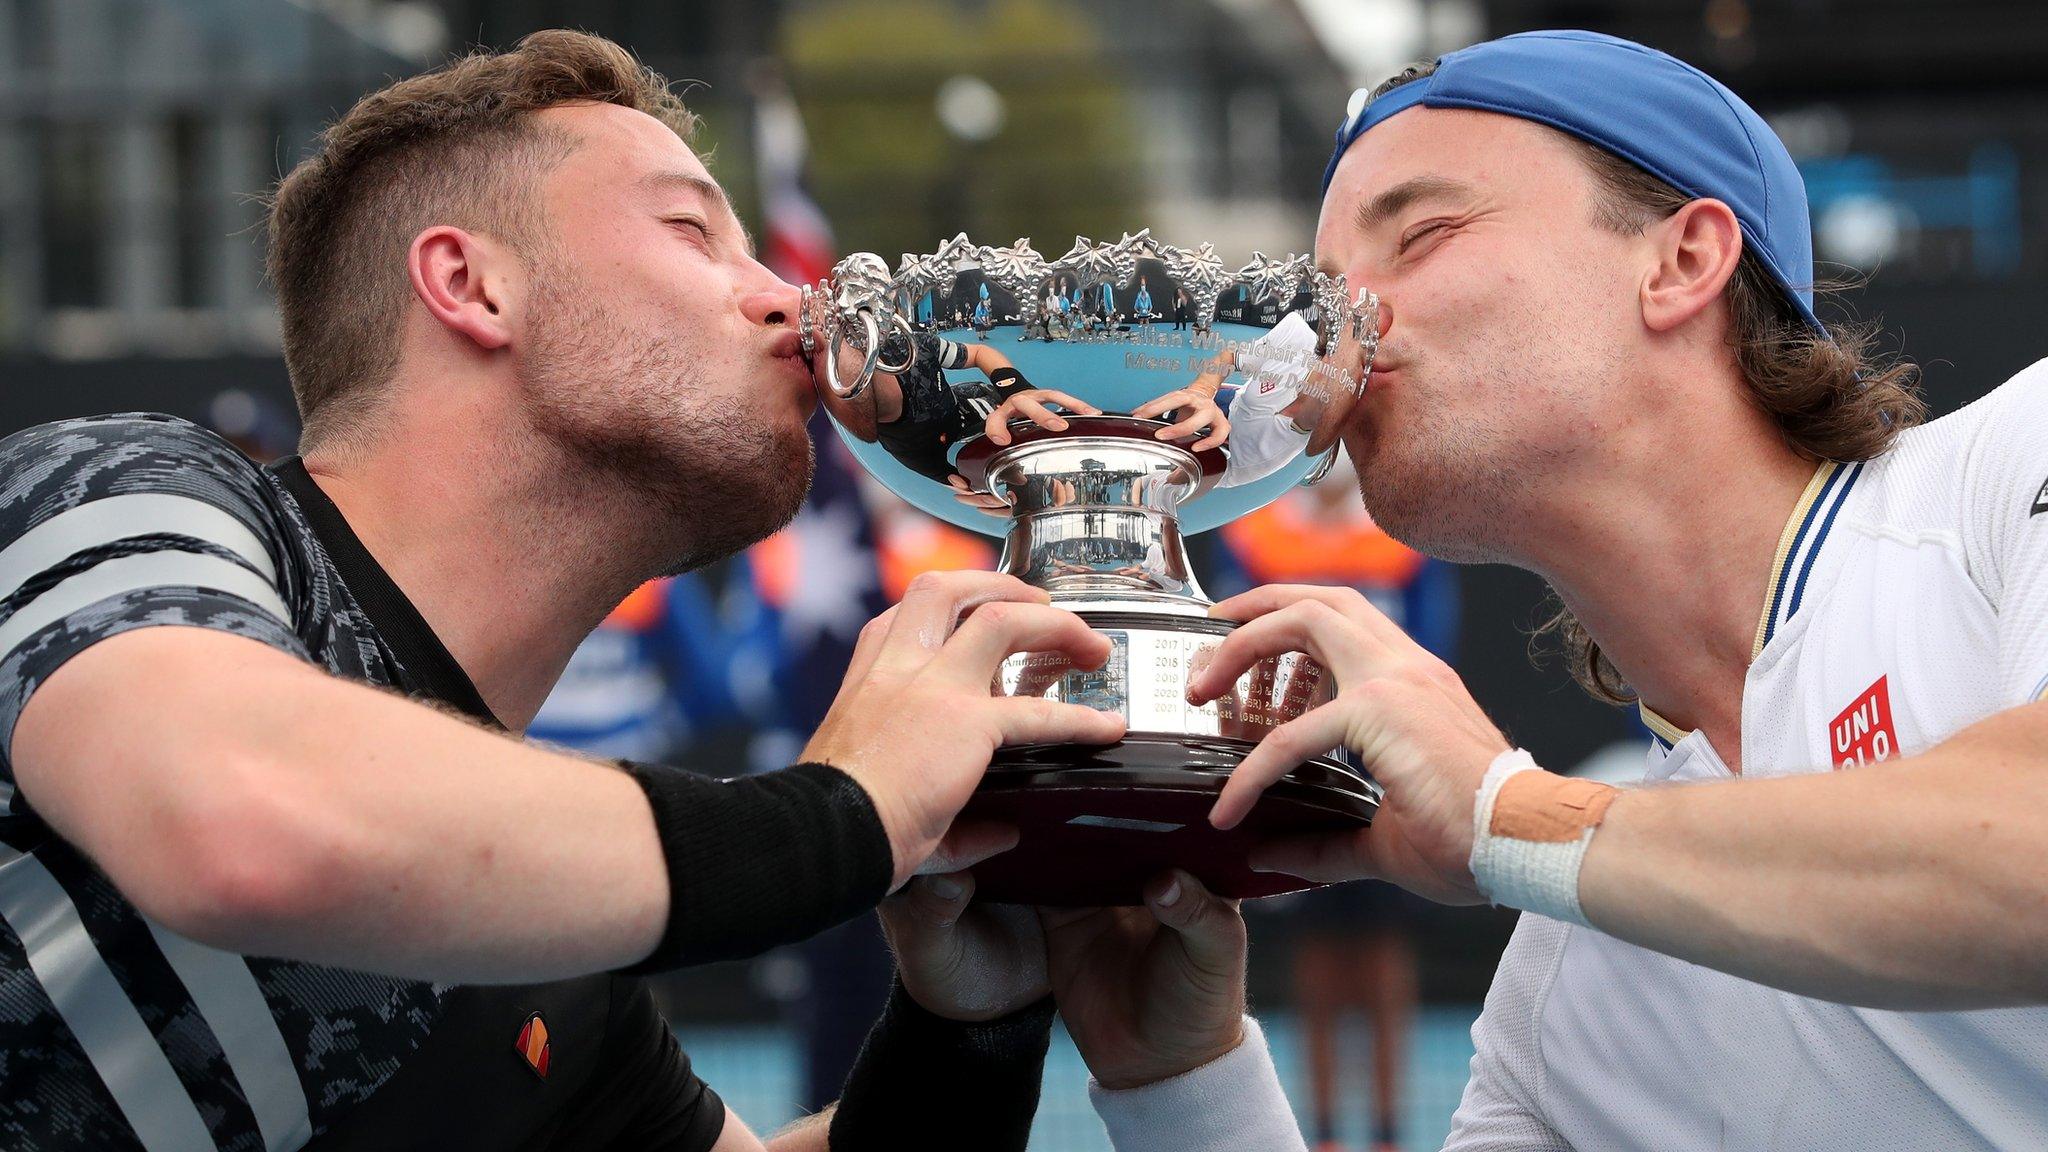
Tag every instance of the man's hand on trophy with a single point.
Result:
(1149, 993)
(962, 960)
(1193, 410)
(1031, 404)
(1401, 710)
(915, 721)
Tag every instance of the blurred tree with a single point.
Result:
(889, 174)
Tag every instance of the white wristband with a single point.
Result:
(1536, 873)
(1230, 1104)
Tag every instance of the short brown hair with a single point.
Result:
(456, 146)
(1833, 396)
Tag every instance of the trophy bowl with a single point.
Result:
(999, 390)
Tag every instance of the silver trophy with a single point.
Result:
(1095, 512)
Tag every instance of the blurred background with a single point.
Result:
(136, 137)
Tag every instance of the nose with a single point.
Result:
(773, 304)
(1386, 318)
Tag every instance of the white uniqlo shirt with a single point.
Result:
(1910, 600)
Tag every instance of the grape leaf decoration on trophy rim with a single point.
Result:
(1201, 275)
(919, 274)
(1090, 263)
(1279, 280)
(1020, 271)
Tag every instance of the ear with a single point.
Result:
(460, 278)
(1696, 249)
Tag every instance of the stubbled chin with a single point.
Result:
(1361, 433)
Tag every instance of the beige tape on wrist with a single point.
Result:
(1530, 829)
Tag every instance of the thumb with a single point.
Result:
(1210, 929)
(930, 903)
(967, 843)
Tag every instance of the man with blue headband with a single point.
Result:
(1600, 361)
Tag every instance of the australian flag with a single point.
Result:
(821, 579)
(825, 586)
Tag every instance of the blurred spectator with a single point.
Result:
(263, 429)
(909, 543)
(1354, 948)
(656, 672)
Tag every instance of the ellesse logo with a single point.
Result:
(533, 1046)
(2040, 501)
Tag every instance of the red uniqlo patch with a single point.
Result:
(1863, 733)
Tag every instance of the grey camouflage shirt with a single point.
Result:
(116, 1034)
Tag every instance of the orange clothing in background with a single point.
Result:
(1281, 543)
(914, 545)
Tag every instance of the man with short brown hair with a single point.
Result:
(247, 899)
(460, 145)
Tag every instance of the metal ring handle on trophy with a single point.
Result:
(1094, 507)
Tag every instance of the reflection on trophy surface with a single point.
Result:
(1091, 409)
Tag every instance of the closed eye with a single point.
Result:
(1412, 237)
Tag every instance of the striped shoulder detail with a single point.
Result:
(39, 590)
(81, 494)
(117, 523)
(112, 518)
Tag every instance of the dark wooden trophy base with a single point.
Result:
(1098, 824)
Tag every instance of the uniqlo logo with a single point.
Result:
(1863, 733)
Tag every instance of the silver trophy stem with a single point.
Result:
(1095, 520)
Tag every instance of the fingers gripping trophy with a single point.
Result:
(1091, 430)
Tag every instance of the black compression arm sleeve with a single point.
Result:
(923, 1081)
(761, 860)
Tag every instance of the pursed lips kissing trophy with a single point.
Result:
(1092, 507)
